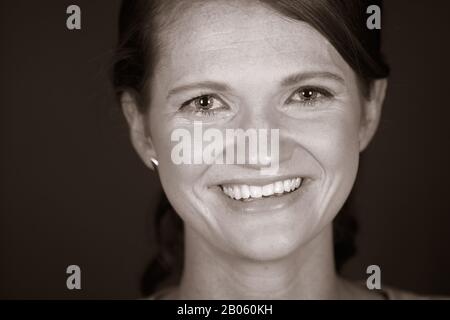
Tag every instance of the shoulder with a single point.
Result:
(359, 290)
(392, 293)
(168, 293)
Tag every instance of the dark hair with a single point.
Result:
(342, 22)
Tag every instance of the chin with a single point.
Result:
(273, 243)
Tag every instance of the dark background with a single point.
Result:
(73, 191)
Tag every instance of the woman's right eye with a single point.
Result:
(204, 105)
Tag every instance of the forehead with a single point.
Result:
(220, 36)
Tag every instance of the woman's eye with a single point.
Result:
(204, 105)
(309, 95)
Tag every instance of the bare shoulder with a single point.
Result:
(168, 293)
(358, 290)
(398, 294)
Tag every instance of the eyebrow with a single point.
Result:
(302, 76)
(212, 85)
(286, 82)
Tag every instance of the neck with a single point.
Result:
(307, 273)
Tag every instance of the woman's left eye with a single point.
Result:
(309, 95)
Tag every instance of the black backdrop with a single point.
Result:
(74, 192)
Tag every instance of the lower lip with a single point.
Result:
(265, 204)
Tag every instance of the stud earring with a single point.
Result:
(154, 161)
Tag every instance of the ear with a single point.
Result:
(137, 122)
(371, 113)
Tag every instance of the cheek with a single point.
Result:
(339, 144)
(336, 148)
(332, 138)
(178, 180)
(175, 176)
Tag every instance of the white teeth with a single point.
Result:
(279, 188)
(243, 191)
(267, 190)
(287, 185)
(237, 192)
(297, 182)
(255, 192)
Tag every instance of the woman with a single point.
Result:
(312, 71)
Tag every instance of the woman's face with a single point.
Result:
(258, 70)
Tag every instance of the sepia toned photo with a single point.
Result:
(225, 150)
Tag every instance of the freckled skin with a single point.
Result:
(251, 49)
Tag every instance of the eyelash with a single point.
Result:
(202, 112)
(315, 90)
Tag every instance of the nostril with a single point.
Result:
(275, 153)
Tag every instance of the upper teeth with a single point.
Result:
(243, 191)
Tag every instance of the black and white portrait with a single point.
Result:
(224, 150)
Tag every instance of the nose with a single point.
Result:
(272, 145)
(282, 154)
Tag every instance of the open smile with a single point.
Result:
(246, 192)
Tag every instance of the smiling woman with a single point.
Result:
(309, 69)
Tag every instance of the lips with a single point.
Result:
(247, 192)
